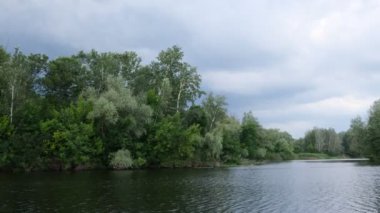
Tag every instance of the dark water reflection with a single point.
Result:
(297, 186)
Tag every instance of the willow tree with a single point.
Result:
(120, 117)
(232, 148)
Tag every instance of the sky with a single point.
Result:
(295, 64)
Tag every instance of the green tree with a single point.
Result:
(373, 131)
(213, 144)
(251, 137)
(309, 141)
(334, 142)
(120, 117)
(232, 150)
(215, 109)
(101, 65)
(196, 115)
(184, 79)
(64, 81)
(173, 143)
(6, 132)
(323, 141)
(70, 140)
(355, 138)
(279, 145)
(21, 105)
(19, 75)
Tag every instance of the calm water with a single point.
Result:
(297, 186)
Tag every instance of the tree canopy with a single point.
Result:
(94, 109)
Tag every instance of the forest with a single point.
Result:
(109, 110)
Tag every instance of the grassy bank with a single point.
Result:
(318, 156)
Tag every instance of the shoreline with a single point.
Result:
(244, 162)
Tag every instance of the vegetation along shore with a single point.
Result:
(109, 110)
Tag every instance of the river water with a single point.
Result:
(295, 186)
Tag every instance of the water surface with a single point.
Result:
(296, 186)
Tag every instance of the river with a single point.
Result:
(295, 186)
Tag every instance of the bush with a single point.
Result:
(139, 162)
(244, 153)
(121, 159)
(274, 157)
(260, 153)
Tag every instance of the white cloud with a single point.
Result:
(330, 107)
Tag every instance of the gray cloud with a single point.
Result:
(294, 64)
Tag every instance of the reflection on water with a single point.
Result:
(296, 186)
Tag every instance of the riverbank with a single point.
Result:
(319, 156)
(198, 165)
(298, 156)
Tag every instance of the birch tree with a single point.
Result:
(17, 75)
(215, 108)
(184, 79)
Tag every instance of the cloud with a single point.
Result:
(295, 65)
(252, 82)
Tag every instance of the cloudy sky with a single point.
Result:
(295, 64)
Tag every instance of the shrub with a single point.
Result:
(121, 159)
(260, 153)
(139, 162)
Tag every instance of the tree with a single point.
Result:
(99, 66)
(321, 137)
(70, 140)
(18, 78)
(64, 80)
(334, 142)
(172, 143)
(120, 117)
(22, 107)
(213, 145)
(279, 145)
(310, 141)
(323, 141)
(373, 131)
(215, 109)
(355, 138)
(6, 131)
(232, 150)
(184, 79)
(196, 115)
(251, 137)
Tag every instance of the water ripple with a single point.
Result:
(285, 187)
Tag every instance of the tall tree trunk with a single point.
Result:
(179, 96)
(12, 102)
(212, 123)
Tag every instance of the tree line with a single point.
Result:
(362, 139)
(109, 110)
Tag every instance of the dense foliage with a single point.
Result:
(95, 110)
(362, 139)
